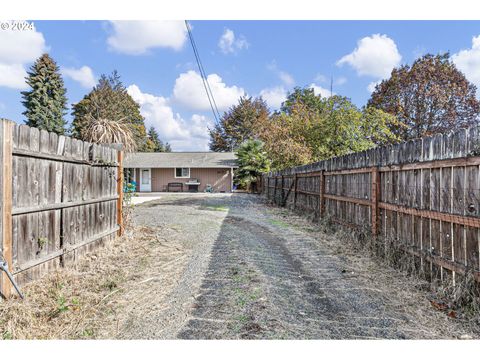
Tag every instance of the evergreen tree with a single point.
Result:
(154, 138)
(46, 103)
(109, 100)
(168, 148)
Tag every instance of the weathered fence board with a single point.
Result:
(8, 251)
(422, 195)
(64, 199)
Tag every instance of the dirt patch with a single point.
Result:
(98, 297)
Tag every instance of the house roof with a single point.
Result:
(180, 159)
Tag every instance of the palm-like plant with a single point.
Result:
(252, 162)
(103, 130)
(106, 131)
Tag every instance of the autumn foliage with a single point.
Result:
(430, 96)
(308, 128)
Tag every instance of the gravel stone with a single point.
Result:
(259, 272)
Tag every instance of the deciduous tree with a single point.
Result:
(331, 127)
(237, 124)
(430, 96)
(305, 96)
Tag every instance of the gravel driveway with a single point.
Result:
(259, 272)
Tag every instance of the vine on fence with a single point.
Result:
(128, 193)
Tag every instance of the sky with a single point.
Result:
(267, 58)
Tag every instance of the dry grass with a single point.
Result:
(93, 299)
(455, 305)
(451, 310)
(459, 299)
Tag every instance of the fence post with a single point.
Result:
(282, 192)
(268, 187)
(295, 192)
(6, 180)
(321, 194)
(120, 192)
(375, 197)
(275, 190)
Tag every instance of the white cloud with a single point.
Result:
(336, 81)
(17, 50)
(321, 78)
(374, 56)
(340, 81)
(137, 37)
(18, 47)
(274, 96)
(284, 76)
(371, 86)
(158, 113)
(13, 76)
(199, 126)
(190, 91)
(229, 44)
(83, 75)
(318, 90)
(182, 134)
(468, 61)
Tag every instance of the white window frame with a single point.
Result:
(181, 177)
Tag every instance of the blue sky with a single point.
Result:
(265, 58)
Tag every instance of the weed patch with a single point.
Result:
(216, 208)
(278, 223)
(84, 301)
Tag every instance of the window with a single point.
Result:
(182, 172)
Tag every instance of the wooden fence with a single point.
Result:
(60, 198)
(422, 196)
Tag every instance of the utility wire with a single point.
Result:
(202, 70)
(206, 85)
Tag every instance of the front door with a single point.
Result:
(145, 179)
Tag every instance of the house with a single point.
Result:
(181, 171)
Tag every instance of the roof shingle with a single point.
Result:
(180, 159)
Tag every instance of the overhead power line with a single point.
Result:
(203, 75)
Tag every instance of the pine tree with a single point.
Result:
(168, 148)
(155, 139)
(46, 103)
